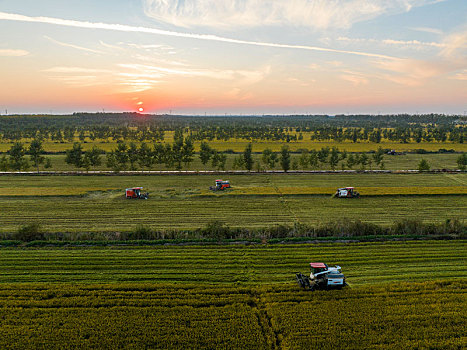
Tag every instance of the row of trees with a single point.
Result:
(181, 153)
(18, 161)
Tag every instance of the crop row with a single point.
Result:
(363, 263)
(409, 316)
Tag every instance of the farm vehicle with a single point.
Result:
(322, 277)
(221, 185)
(346, 192)
(136, 193)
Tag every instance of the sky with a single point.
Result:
(233, 57)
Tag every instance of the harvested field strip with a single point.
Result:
(74, 214)
(50, 191)
(364, 263)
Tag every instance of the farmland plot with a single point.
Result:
(96, 204)
(233, 297)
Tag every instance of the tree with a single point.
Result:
(334, 158)
(218, 160)
(145, 157)
(363, 160)
(112, 162)
(462, 161)
(17, 161)
(269, 158)
(158, 153)
(304, 159)
(132, 155)
(285, 158)
(238, 162)
(74, 156)
(313, 158)
(35, 151)
(92, 157)
(205, 153)
(48, 163)
(82, 136)
(188, 151)
(423, 165)
(323, 155)
(247, 157)
(121, 156)
(344, 155)
(378, 157)
(168, 156)
(177, 149)
(4, 164)
(351, 161)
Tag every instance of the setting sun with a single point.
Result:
(141, 109)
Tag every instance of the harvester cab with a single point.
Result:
(136, 193)
(221, 185)
(322, 277)
(347, 192)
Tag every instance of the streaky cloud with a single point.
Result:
(208, 37)
(72, 46)
(13, 53)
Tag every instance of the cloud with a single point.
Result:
(455, 46)
(405, 43)
(77, 70)
(411, 72)
(13, 53)
(356, 80)
(427, 30)
(72, 46)
(461, 75)
(231, 14)
(241, 76)
(126, 28)
(134, 77)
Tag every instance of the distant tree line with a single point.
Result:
(84, 127)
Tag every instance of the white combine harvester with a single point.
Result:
(346, 192)
(322, 277)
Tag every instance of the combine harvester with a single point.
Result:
(346, 192)
(135, 193)
(221, 185)
(322, 277)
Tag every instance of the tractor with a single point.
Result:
(221, 185)
(135, 193)
(346, 192)
(322, 277)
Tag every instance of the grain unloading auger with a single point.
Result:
(322, 277)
